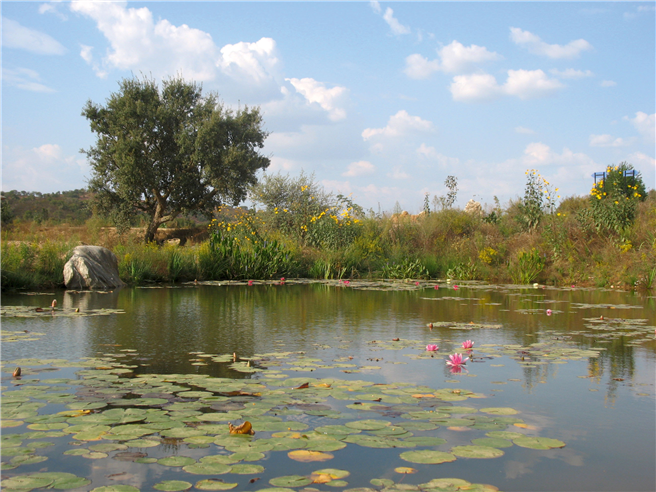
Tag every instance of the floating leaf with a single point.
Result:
(26, 482)
(172, 485)
(405, 470)
(482, 452)
(427, 457)
(290, 481)
(538, 442)
(246, 469)
(499, 411)
(176, 461)
(306, 455)
(214, 484)
(369, 424)
(492, 442)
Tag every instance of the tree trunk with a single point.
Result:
(151, 230)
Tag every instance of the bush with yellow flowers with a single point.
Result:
(614, 199)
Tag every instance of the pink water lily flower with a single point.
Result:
(416, 283)
(431, 347)
(456, 360)
(250, 282)
(468, 345)
(455, 287)
(437, 287)
(549, 312)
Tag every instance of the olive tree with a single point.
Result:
(170, 151)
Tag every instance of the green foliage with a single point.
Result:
(31, 265)
(406, 268)
(170, 152)
(301, 208)
(527, 267)
(539, 198)
(446, 202)
(6, 214)
(614, 199)
(464, 271)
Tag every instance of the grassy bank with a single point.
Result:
(564, 247)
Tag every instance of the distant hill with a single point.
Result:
(70, 207)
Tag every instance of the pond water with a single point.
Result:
(135, 390)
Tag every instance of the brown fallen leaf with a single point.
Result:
(245, 428)
(303, 386)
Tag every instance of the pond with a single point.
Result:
(135, 389)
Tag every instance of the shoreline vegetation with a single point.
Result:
(297, 230)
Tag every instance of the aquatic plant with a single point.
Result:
(456, 360)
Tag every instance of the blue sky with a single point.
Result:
(379, 100)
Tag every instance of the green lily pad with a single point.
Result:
(116, 488)
(172, 485)
(205, 468)
(482, 452)
(369, 424)
(427, 457)
(492, 442)
(538, 442)
(26, 482)
(505, 434)
(246, 469)
(176, 461)
(214, 484)
(290, 481)
(499, 411)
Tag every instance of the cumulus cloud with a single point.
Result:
(46, 165)
(399, 125)
(331, 100)
(526, 131)
(475, 87)
(452, 58)
(608, 83)
(359, 168)
(524, 84)
(388, 16)
(14, 35)
(571, 73)
(398, 173)
(24, 78)
(529, 84)
(140, 43)
(431, 154)
(608, 141)
(535, 45)
(645, 124)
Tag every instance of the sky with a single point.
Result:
(378, 100)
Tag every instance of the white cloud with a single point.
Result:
(52, 8)
(430, 153)
(142, 44)
(524, 84)
(571, 73)
(608, 83)
(526, 131)
(418, 67)
(454, 57)
(17, 36)
(608, 141)
(395, 25)
(331, 100)
(398, 173)
(535, 45)
(46, 165)
(645, 124)
(475, 87)
(359, 168)
(24, 78)
(640, 160)
(399, 125)
(343, 187)
(458, 58)
(529, 84)
(375, 6)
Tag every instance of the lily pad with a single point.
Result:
(369, 424)
(492, 442)
(306, 455)
(172, 485)
(246, 469)
(482, 452)
(427, 457)
(176, 461)
(499, 411)
(290, 481)
(214, 484)
(538, 442)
